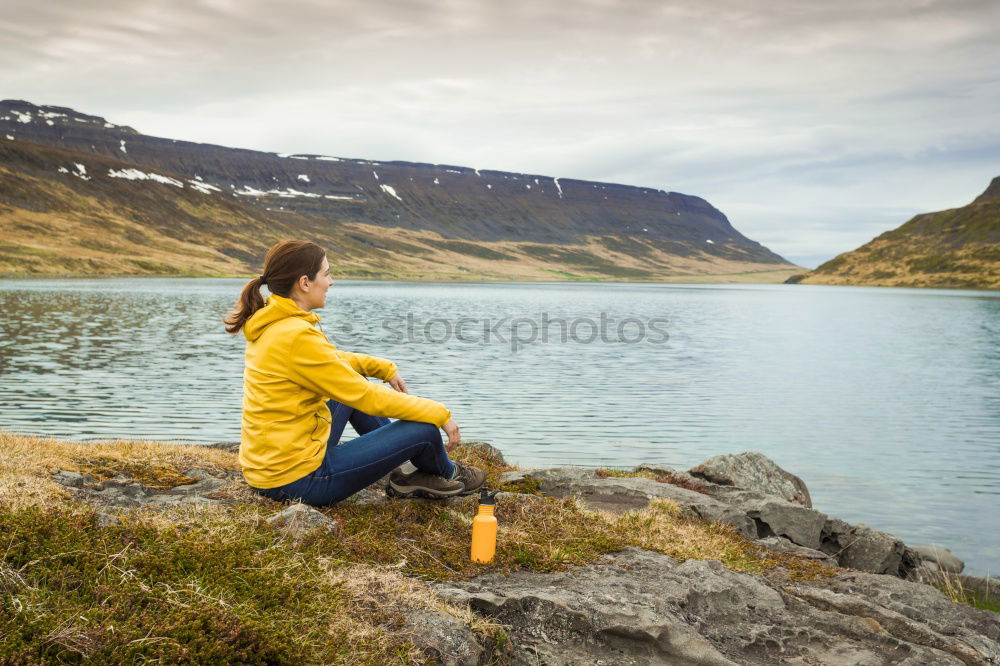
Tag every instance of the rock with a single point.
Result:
(911, 613)
(926, 572)
(754, 471)
(299, 520)
(987, 589)
(206, 483)
(782, 545)
(484, 448)
(605, 613)
(638, 607)
(107, 520)
(664, 469)
(73, 479)
(163, 500)
(754, 514)
(443, 638)
(798, 524)
(621, 494)
(517, 476)
(941, 557)
(863, 548)
(121, 492)
(232, 447)
(373, 494)
(505, 496)
(930, 566)
(858, 547)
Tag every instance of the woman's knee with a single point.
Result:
(427, 431)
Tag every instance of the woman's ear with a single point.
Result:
(303, 283)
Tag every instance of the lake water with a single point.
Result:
(885, 401)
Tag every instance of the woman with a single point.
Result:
(299, 391)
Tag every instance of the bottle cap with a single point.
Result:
(487, 497)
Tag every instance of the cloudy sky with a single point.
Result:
(813, 125)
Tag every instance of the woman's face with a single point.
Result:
(316, 296)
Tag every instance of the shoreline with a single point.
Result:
(678, 280)
(205, 444)
(694, 278)
(675, 554)
(577, 474)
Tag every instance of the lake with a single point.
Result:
(886, 402)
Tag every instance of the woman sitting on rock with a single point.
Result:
(299, 392)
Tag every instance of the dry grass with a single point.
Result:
(199, 585)
(953, 587)
(76, 241)
(216, 583)
(955, 248)
(28, 463)
(655, 475)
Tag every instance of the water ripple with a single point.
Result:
(886, 402)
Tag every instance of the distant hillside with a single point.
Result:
(958, 248)
(80, 195)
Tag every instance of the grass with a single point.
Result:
(655, 475)
(949, 249)
(574, 277)
(954, 589)
(216, 584)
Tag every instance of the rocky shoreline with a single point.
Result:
(882, 605)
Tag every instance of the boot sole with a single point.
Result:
(405, 492)
(424, 493)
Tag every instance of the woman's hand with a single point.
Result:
(397, 383)
(454, 436)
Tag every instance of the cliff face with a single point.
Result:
(959, 247)
(413, 212)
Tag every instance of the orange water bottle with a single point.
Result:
(484, 529)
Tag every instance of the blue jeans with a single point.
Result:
(383, 445)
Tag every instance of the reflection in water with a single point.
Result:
(886, 401)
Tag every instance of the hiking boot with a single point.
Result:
(422, 484)
(466, 480)
(471, 477)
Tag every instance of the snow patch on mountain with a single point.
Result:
(135, 174)
(203, 187)
(390, 190)
(290, 193)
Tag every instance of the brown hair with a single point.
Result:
(284, 264)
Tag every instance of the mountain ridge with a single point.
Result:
(953, 248)
(665, 234)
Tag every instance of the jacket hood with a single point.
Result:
(275, 309)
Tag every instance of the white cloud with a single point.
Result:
(799, 120)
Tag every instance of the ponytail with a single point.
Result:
(284, 264)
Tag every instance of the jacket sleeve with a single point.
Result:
(320, 367)
(370, 366)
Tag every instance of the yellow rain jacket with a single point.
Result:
(291, 371)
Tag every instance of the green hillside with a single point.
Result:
(956, 248)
